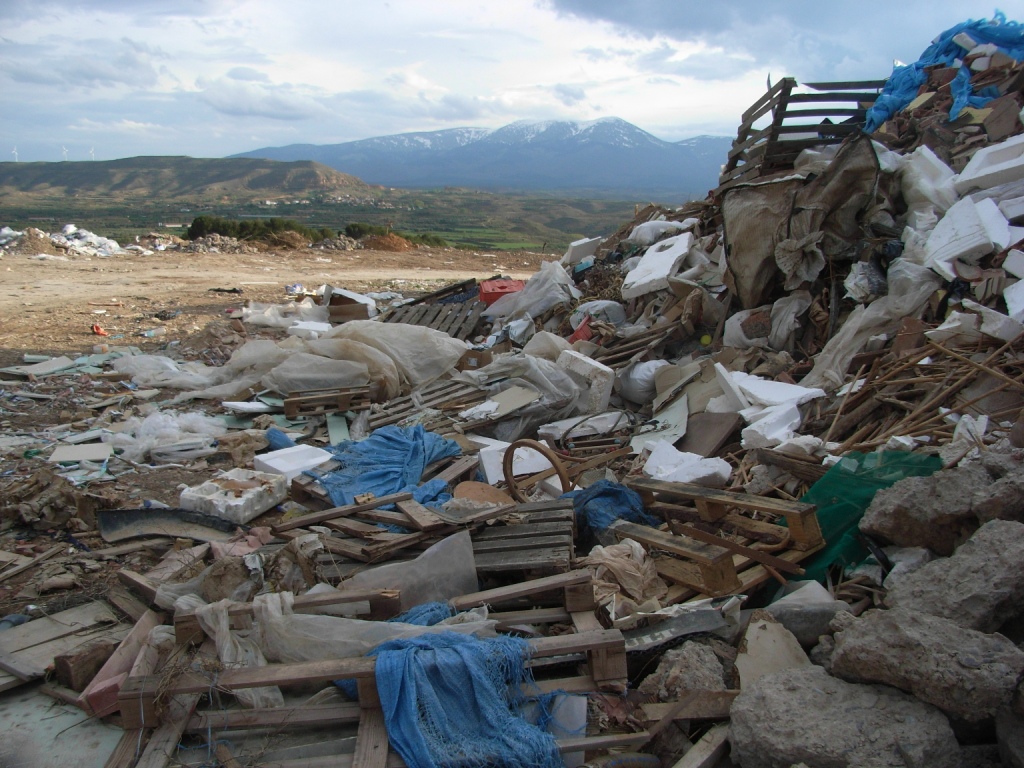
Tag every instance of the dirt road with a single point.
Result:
(49, 306)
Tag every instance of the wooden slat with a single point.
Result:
(330, 514)
(371, 740)
(812, 98)
(846, 85)
(522, 589)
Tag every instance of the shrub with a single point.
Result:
(252, 229)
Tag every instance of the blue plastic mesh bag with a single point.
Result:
(599, 505)
(454, 701)
(391, 460)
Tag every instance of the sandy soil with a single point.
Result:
(50, 306)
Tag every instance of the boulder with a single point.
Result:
(1001, 500)
(804, 715)
(690, 667)
(980, 587)
(1010, 736)
(967, 674)
(934, 512)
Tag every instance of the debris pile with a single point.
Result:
(218, 244)
(743, 478)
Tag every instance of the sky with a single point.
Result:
(106, 79)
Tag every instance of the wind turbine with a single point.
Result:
(92, 153)
(15, 153)
(65, 151)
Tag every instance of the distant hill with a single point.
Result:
(173, 177)
(604, 158)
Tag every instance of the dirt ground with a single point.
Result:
(50, 306)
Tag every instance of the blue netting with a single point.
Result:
(454, 701)
(426, 615)
(391, 460)
(904, 82)
(604, 502)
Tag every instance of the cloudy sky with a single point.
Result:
(208, 78)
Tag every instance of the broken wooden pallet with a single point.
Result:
(458, 320)
(448, 394)
(320, 402)
(620, 352)
(544, 546)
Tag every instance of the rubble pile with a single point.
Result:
(218, 244)
(339, 243)
(741, 481)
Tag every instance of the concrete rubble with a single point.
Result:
(752, 467)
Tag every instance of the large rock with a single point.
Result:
(935, 511)
(1001, 500)
(804, 715)
(690, 667)
(968, 675)
(980, 587)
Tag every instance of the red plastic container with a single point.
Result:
(492, 290)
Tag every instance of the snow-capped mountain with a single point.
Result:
(608, 157)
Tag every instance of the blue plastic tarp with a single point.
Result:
(601, 504)
(905, 81)
(391, 460)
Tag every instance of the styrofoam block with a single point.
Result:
(995, 324)
(309, 329)
(733, 394)
(492, 455)
(960, 235)
(993, 165)
(776, 425)
(1014, 297)
(223, 497)
(599, 378)
(1014, 263)
(760, 391)
(579, 250)
(657, 265)
(965, 41)
(1013, 209)
(996, 225)
(290, 462)
(957, 324)
(673, 466)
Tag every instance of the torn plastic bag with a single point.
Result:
(628, 565)
(421, 355)
(635, 382)
(184, 435)
(445, 570)
(649, 232)
(285, 315)
(602, 310)
(303, 372)
(160, 371)
(546, 345)
(391, 460)
(784, 315)
(910, 285)
(866, 282)
(559, 393)
(235, 649)
(550, 286)
(284, 636)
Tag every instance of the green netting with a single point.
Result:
(844, 494)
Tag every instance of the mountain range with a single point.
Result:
(605, 158)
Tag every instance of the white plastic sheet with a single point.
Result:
(547, 288)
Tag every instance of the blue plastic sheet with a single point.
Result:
(455, 701)
(604, 502)
(391, 460)
(905, 81)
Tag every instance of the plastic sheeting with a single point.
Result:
(904, 82)
(303, 372)
(910, 285)
(390, 460)
(601, 504)
(421, 355)
(547, 288)
(433, 723)
(164, 430)
(284, 315)
(381, 367)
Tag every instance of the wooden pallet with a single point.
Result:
(712, 537)
(457, 320)
(320, 402)
(620, 352)
(439, 395)
(759, 152)
(544, 544)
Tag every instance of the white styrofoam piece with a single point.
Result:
(668, 464)
(358, 298)
(492, 456)
(657, 265)
(993, 323)
(578, 250)
(599, 379)
(1014, 263)
(83, 452)
(996, 225)
(1014, 297)
(309, 329)
(965, 41)
(649, 231)
(775, 425)
(1013, 209)
(292, 461)
(212, 498)
(733, 394)
(960, 235)
(993, 165)
(958, 323)
(760, 391)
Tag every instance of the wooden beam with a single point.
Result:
(330, 514)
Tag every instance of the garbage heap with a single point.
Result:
(744, 478)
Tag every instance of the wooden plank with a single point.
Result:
(847, 85)
(74, 621)
(420, 518)
(691, 492)
(523, 530)
(142, 586)
(709, 750)
(519, 544)
(330, 514)
(294, 717)
(710, 705)
(754, 554)
(371, 740)
(522, 589)
(126, 602)
(22, 669)
(559, 559)
(465, 330)
(813, 98)
(697, 551)
(98, 698)
(32, 563)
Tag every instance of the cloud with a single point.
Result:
(81, 64)
(708, 64)
(569, 95)
(22, 9)
(249, 74)
(85, 125)
(247, 99)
